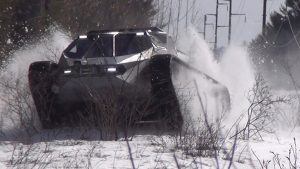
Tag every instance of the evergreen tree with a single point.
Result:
(20, 22)
(79, 16)
(281, 37)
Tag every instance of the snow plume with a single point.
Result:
(238, 76)
(16, 108)
(47, 48)
(233, 72)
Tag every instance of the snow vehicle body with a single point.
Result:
(124, 71)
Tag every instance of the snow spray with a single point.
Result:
(15, 73)
(233, 73)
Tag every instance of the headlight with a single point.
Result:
(111, 69)
(67, 71)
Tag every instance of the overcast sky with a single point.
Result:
(242, 30)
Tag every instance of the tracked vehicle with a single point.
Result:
(108, 75)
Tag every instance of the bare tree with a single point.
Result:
(261, 112)
(19, 107)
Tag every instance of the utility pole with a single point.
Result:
(264, 17)
(216, 23)
(204, 30)
(216, 28)
(207, 24)
(230, 20)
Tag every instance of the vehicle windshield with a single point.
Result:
(131, 43)
(125, 44)
(91, 47)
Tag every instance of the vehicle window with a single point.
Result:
(101, 47)
(91, 47)
(131, 43)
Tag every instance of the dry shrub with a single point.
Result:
(31, 156)
(262, 110)
(290, 161)
(114, 114)
(199, 141)
(203, 138)
(198, 137)
(18, 107)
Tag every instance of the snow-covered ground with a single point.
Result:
(148, 151)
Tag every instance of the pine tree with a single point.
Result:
(282, 35)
